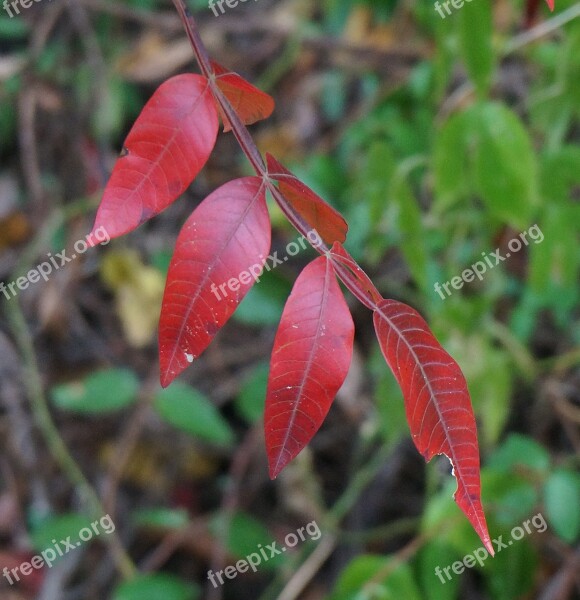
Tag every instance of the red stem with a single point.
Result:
(247, 144)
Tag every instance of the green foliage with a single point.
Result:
(153, 587)
(562, 500)
(264, 303)
(371, 577)
(57, 527)
(476, 43)
(101, 392)
(165, 518)
(243, 535)
(487, 151)
(249, 402)
(512, 479)
(187, 409)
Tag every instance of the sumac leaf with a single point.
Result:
(250, 103)
(310, 360)
(319, 215)
(437, 402)
(225, 238)
(166, 148)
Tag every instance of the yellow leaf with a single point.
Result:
(138, 291)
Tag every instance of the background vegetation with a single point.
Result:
(439, 140)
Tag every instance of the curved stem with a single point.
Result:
(251, 151)
(49, 431)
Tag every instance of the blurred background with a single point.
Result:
(441, 137)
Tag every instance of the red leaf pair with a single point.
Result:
(169, 144)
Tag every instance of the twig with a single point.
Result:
(308, 569)
(539, 31)
(51, 434)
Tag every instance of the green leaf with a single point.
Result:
(165, 518)
(372, 577)
(244, 535)
(58, 528)
(438, 585)
(491, 395)
(475, 24)
(510, 573)
(504, 164)
(13, 29)
(450, 162)
(412, 230)
(562, 501)
(104, 391)
(560, 174)
(155, 587)
(555, 262)
(189, 410)
(443, 518)
(374, 180)
(250, 401)
(513, 496)
(264, 303)
(519, 451)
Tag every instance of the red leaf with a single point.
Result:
(310, 360)
(437, 402)
(550, 4)
(166, 148)
(225, 236)
(319, 215)
(250, 103)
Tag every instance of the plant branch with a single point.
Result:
(367, 297)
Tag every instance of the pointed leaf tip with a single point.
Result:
(437, 402)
